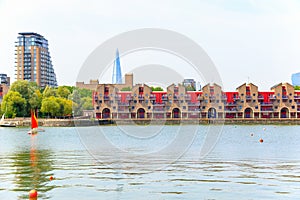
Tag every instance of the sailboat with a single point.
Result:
(34, 124)
(6, 124)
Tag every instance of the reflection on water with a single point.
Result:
(239, 167)
(33, 168)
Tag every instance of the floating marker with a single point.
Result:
(33, 194)
(264, 129)
(261, 140)
(51, 178)
(251, 134)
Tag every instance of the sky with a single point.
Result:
(254, 41)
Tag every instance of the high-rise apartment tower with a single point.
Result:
(33, 60)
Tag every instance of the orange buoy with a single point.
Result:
(33, 194)
(51, 178)
(261, 140)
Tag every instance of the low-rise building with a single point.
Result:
(140, 102)
(4, 85)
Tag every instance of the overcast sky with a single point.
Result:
(255, 40)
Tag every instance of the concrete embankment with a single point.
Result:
(95, 122)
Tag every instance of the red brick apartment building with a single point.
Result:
(110, 102)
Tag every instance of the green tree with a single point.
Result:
(65, 106)
(156, 88)
(126, 89)
(50, 106)
(13, 104)
(36, 99)
(297, 87)
(87, 103)
(63, 91)
(190, 88)
(84, 92)
(49, 91)
(28, 91)
(82, 100)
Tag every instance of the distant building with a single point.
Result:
(296, 79)
(4, 85)
(33, 60)
(189, 83)
(4, 79)
(117, 73)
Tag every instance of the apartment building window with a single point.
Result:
(293, 107)
(184, 107)
(256, 107)
(254, 101)
(290, 100)
(203, 107)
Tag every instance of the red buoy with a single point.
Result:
(51, 178)
(33, 194)
(261, 140)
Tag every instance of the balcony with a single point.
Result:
(128, 97)
(194, 104)
(296, 97)
(106, 97)
(212, 97)
(236, 97)
(266, 104)
(158, 105)
(152, 97)
(284, 97)
(118, 97)
(158, 108)
(230, 104)
(272, 97)
(123, 104)
(187, 97)
(230, 110)
(121, 110)
(194, 108)
(267, 110)
(141, 97)
(248, 97)
(260, 97)
(164, 98)
(224, 97)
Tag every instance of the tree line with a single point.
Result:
(50, 102)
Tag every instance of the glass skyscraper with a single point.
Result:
(117, 73)
(33, 60)
(296, 79)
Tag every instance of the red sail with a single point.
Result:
(34, 121)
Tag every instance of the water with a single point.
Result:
(238, 167)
